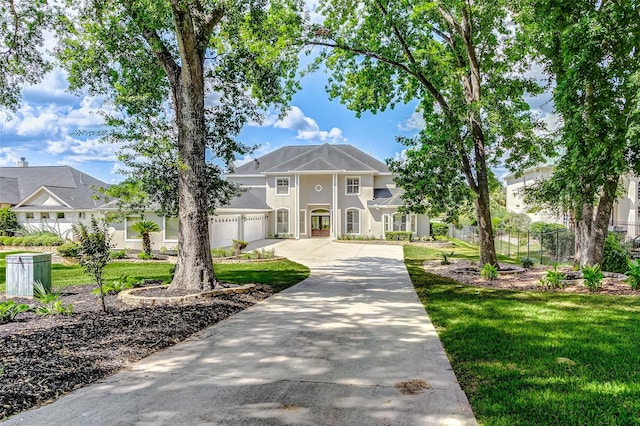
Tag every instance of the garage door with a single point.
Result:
(223, 230)
(254, 227)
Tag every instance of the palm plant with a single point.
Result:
(145, 228)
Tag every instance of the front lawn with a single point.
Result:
(279, 274)
(536, 358)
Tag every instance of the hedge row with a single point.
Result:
(32, 240)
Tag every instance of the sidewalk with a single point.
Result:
(328, 351)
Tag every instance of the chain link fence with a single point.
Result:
(548, 247)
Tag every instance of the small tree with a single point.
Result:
(8, 222)
(94, 250)
(144, 228)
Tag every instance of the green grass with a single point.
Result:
(279, 274)
(536, 358)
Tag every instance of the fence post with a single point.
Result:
(557, 244)
(541, 238)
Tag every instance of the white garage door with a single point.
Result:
(223, 230)
(253, 227)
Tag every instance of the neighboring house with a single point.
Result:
(323, 191)
(51, 198)
(625, 217)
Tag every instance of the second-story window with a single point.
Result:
(282, 186)
(353, 185)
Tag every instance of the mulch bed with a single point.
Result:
(43, 358)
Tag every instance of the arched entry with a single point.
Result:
(320, 223)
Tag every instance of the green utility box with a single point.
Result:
(25, 268)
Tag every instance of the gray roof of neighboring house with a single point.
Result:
(305, 158)
(386, 197)
(70, 185)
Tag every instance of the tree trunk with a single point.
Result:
(594, 231)
(146, 243)
(194, 269)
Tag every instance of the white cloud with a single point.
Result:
(8, 157)
(415, 122)
(306, 127)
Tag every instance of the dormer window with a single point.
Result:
(282, 186)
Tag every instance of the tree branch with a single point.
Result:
(16, 22)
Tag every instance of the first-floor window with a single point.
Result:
(171, 229)
(29, 215)
(44, 215)
(386, 223)
(60, 215)
(130, 234)
(282, 221)
(399, 222)
(303, 221)
(353, 221)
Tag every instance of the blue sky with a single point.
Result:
(47, 129)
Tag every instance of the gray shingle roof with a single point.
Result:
(72, 186)
(251, 199)
(326, 157)
(389, 197)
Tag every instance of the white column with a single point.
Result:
(335, 211)
(296, 216)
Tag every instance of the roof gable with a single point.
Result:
(71, 187)
(42, 197)
(313, 158)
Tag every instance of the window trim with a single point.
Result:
(346, 221)
(393, 221)
(288, 221)
(126, 227)
(45, 216)
(288, 186)
(346, 185)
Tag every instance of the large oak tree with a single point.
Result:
(591, 51)
(155, 57)
(453, 57)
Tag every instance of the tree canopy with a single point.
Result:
(184, 77)
(590, 51)
(456, 59)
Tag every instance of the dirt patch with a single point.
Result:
(412, 387)
(43, 358)
(467, 272)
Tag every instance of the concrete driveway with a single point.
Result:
(328, 351)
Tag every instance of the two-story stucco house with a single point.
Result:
(324, 191)
(625, 217)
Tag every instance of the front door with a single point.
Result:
(320, 226)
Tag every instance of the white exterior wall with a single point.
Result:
(514, 196)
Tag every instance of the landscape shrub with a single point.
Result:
(438, 229)
(50, 303)
(36, 239)
(145, 256)
(592, 277)
(9, 309)
(118, 254)
(238, 246)
(8, 222)
(116, 286)
(633, 274)
(527, 262)
(69, 249)
(615, 258)
(553, 279)
(398, 235)
(489, 271)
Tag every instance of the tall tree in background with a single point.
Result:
(454, 58)
(22, 28)
(591, 50)
(171, 56)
